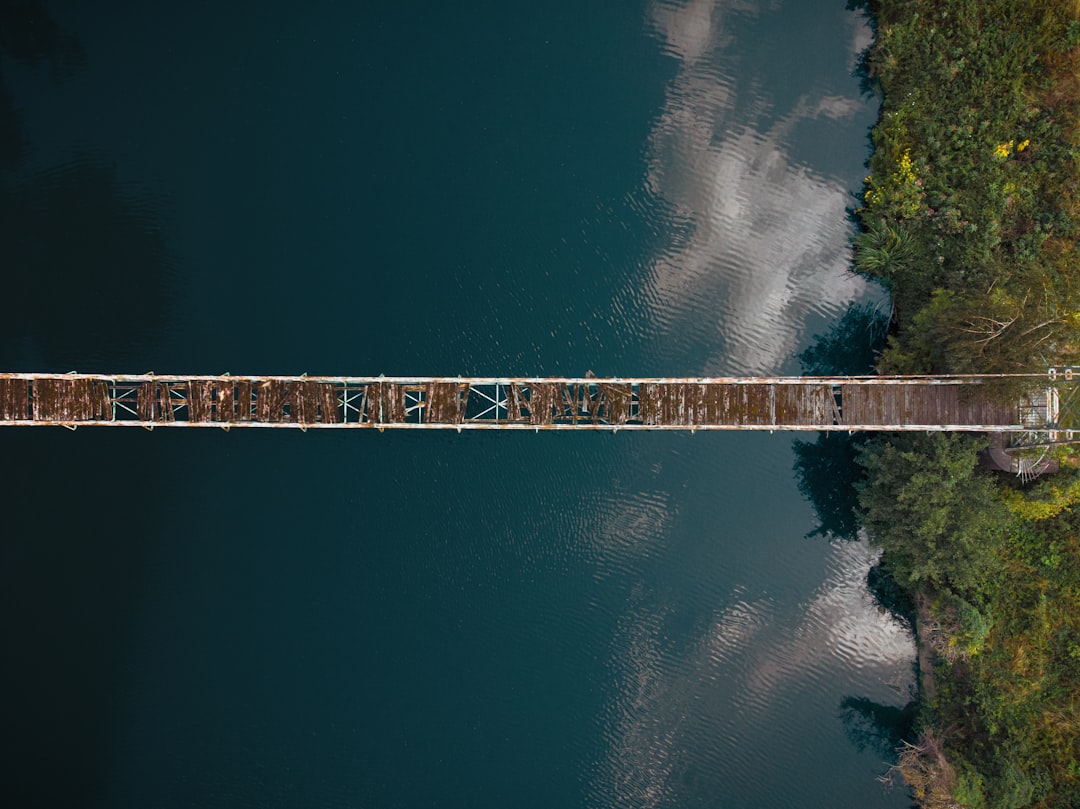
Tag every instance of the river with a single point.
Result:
(351, 619)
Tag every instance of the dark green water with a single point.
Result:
(254, 619)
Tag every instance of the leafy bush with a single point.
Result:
(973, 177)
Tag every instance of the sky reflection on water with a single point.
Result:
(762, 233)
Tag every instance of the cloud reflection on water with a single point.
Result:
(766, 236)
(697, 714)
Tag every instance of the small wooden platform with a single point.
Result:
(957, 403)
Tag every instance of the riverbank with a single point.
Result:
(970, 218)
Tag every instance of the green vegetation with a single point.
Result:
(970, 213)
(971, 217)
(997, 569)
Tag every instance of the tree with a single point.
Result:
(936, 516)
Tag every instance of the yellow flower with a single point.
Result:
(1023, 145)
(1003, 150)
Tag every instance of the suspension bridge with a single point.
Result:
(975, 403)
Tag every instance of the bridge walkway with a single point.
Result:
(940, 403)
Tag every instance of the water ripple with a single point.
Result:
(763, 241)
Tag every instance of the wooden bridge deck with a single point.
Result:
(732, 403)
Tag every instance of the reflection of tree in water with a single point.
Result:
(83, 267)
(11, 141)
(826, 469)
(890, 596)
(826, 472)
(30, 36)
(851, 348)
(872, 726)
(85, 264)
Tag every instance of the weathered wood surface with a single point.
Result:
(14, 399)
(744, 403)
(941, 404)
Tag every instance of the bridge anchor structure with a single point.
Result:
(842, 403)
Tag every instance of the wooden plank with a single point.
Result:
(328, 403)
(514, 401)
(685, 400)
(100, 404)
(394, 403)
(855, 405)
(380, 403)
(432, 410)
(790, 401)
(46, 393)
(760, 406)
(81, 402)
(145, 395)
(718, 403)
(751, 405)
(891, 400)
(164, 403)
(837, 413)
(665, 404)
(465, 389)
(224, 400)
(375, 403)
(243, 400)
(707, 404)
(590, 400)
(647, 403)
(74, 400)
(442, 403)
(570, 401)
(8, 408)
(743, 404)
(78, 400)
(14, 399)
(200, 400)
(458, 392)
(849, 400)
(304, 402)
(317, 397)
(542, 397)
(262, 401)
(92, 409)
(296, 402)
